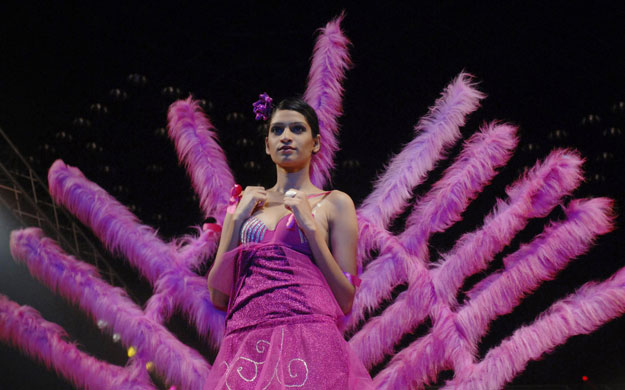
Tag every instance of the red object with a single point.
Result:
(235, 196)
(585, 378)
(236, 190)
(213, 227)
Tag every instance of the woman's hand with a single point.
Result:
(251, 198)
(299, 206)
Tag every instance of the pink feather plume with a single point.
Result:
(436, 132)
(324, 93)
(198, 149)
(23, 327)
(484, 152)
(581, 313)
(80, 283)
(121, 232)
(533, 195)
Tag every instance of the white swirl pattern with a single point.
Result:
(260, 348)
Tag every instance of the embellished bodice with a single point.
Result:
(286, 231)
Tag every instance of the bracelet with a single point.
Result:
(235, 196)
(353, 279)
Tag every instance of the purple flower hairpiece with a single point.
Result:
(262, 107)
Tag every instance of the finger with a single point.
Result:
(289, 201)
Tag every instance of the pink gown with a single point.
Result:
(281, 323)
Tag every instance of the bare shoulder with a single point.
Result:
(341, 202)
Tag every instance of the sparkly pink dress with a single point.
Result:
(281, 324)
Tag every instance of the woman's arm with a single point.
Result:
(343, 229)
(221, 271)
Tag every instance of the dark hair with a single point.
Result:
(299, 105)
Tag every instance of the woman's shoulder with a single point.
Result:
(340, 201)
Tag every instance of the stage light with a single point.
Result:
(62, 135)
(597, 177)
(350, 164)
(34, 160)
(605, 156)
(618, 107)
(206, 105)
(557, 134)
(81, 122)
(585, 378)
(137, 79)
(244, 142)
(47, 149)
(118, 94)
(154, 168)
(591, 119)
(172, 92)
(612, 132)
(252, 166)
(235, 117)
(99, 108)
(160, 132)
(530, 147)
(120, 189)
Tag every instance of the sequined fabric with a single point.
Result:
(281, 324)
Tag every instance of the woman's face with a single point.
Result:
(289, 141)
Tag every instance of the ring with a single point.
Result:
(290, 193)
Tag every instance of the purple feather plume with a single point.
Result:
(194, 250)
(534, 195)
(484, 152)
(453, 339)
(198, 149)
(324, 93)
(535, 263)
(436, 132)
(23, 327)
(121, 232)
(80, 283)
(581, 313)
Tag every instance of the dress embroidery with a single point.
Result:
(253, 229)
(260, 348)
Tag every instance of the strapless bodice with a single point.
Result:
(285, 233)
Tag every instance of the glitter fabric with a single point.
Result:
(281, 325)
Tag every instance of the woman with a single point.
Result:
(284, 270)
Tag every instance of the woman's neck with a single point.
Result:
(298, 180)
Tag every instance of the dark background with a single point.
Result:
(91, 83)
